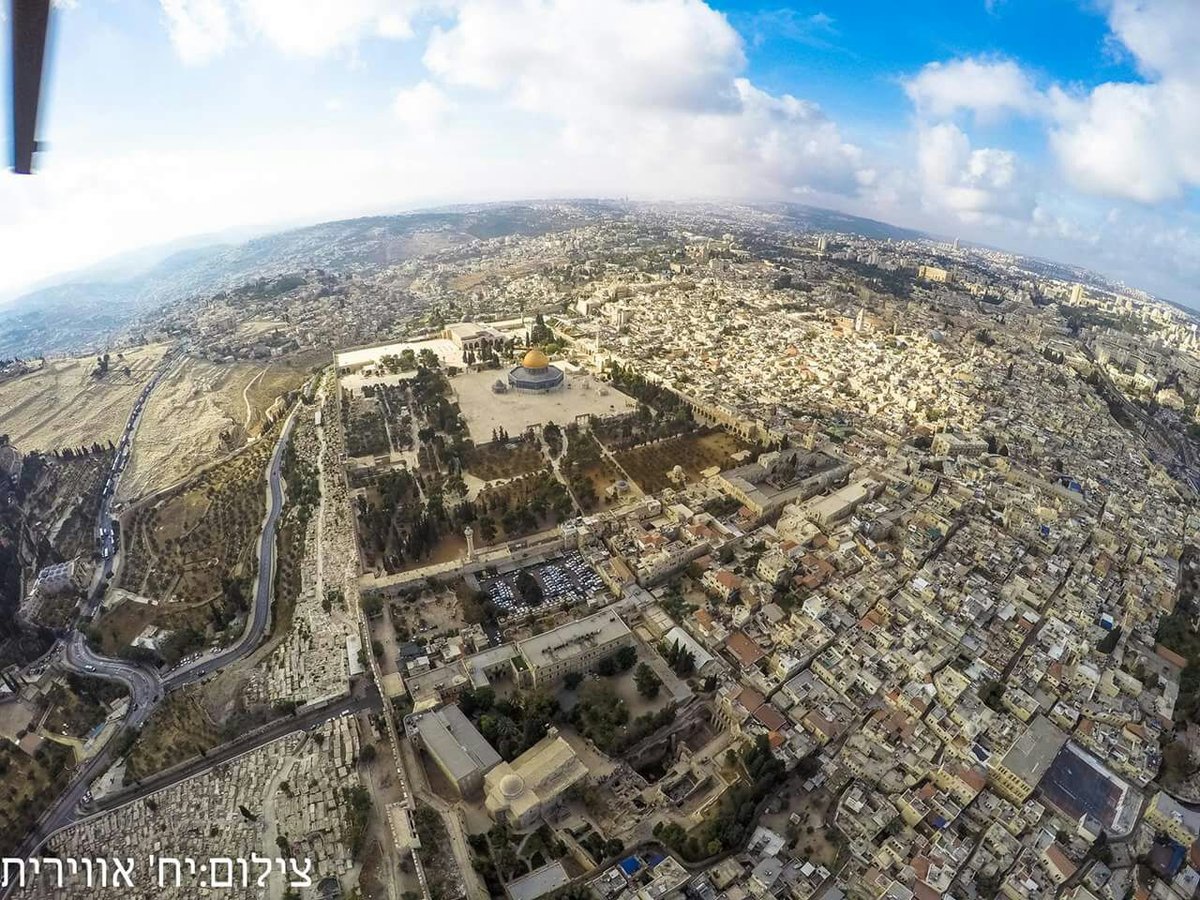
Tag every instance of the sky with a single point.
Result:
(1061, 128)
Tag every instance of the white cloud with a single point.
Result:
(322, 27)
(649, 92)
(1162, 35)
(551, 55)
(203, 29)
(421, 107)
(989, 88)
(970, 183)
(645, 97)
(1138, 140)
(199, 29)
(1135, 141)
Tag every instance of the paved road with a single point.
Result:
(144, 692)
(367, 700)
(105, 534)
(146, 687)
(256, 624)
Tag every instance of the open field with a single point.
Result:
(810, 837)
(256, 327)
(203, 410)
(62, 405)
(486, 411)
(650, 464)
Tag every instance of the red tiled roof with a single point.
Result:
(746, 651)
(770, 717)
(750, 699)
(1059, 860)
(728, 580)
(1170, 656)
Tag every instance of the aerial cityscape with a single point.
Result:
(615, 548)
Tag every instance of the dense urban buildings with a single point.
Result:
(655, 552)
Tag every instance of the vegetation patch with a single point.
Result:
(728, 826)
(193, 551)
(505, 459)
(179, 730)
(650, 465)
(441, 872)
(28, 784)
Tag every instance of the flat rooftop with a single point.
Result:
(444, 348)
(783, 484)
(1035, 750)
(539, 882)
(458, 746)
(570, 640)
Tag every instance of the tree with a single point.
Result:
(528, 589)
(1177, 762)
(476, 700)
(991, 693)
(572, 680)
(625, 657)
(681, 659)
(553, 437)
(647, 682)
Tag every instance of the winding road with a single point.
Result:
(146, 687)
(264, 588)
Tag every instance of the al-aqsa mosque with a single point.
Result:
(535, 374)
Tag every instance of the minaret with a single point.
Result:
(469, 534)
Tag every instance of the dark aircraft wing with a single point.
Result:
(30, 19)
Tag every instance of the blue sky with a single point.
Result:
(1065, 128)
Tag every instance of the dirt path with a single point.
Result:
(246, 398)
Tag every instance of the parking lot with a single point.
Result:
(565, 580)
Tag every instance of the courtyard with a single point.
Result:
(487, 411)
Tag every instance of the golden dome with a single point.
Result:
(535, 359)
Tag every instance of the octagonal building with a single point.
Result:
(535, 375)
